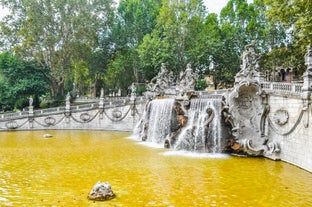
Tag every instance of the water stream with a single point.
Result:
(203, 130)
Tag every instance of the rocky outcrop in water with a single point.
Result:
(101, 191)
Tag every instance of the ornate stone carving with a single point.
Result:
(280, 117)
(85, 117)
(116, 113)
(249, 68)
(49, 121)
(11, 124)
(186, 82)
(161, 82)
(248, 110)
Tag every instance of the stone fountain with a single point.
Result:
(178, 118)
(246, 109)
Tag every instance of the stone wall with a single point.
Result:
(289, 123)
(121, 116)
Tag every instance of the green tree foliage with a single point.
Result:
(294, 15)
(178, 28)
(55, 33)
(295, 18)
(20, 80)
(94, 43)
(134, 19)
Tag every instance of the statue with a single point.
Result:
(308, 58)
(187, 81)
(160, 82)
(31, 101)
(250, 59)
(102, 93)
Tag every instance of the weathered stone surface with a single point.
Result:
(101, 191)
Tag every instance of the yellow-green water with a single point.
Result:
(61, 171)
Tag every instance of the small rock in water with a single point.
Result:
(47, 135)
(101, 192)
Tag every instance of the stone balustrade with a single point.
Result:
(280, 87)
(109, 102)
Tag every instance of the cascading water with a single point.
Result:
(159, 120)
(203, 130)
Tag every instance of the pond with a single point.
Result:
(61, 171)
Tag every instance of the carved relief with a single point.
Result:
(116, 113)
(49, 121)
(280, 117)
(11, 125)
(85, 117)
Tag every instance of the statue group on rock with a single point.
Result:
(166, 84)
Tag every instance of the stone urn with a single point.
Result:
(101, 191)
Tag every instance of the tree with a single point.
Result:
(134, 19)
(173, 39)
(294, 15)
(19, 81)
(55, 33)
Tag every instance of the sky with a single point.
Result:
(213, 6)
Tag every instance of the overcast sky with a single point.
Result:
(213, 6)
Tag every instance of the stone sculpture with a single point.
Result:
(248, 109)
(186, 82)
(101, 191)
(161, 82)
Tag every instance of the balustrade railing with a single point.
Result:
(294, 88)
(108, 101)
(281, 87)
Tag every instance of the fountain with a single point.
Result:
(178, 119)
(234, 121)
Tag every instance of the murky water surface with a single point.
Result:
(60, 171)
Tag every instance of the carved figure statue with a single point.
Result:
(187, 80)
(102, 93)
(308, 58)
(250, 58)
(160, 82)
(31, 100)
(133, 89)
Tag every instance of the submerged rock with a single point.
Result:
(101, 192)
(47, 136)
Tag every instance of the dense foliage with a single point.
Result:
(20, 80)
(81, 46)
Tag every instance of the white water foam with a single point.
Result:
(196, 154)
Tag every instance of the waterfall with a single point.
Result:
(159, 120)
(203, 130)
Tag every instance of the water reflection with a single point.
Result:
(60, 171)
